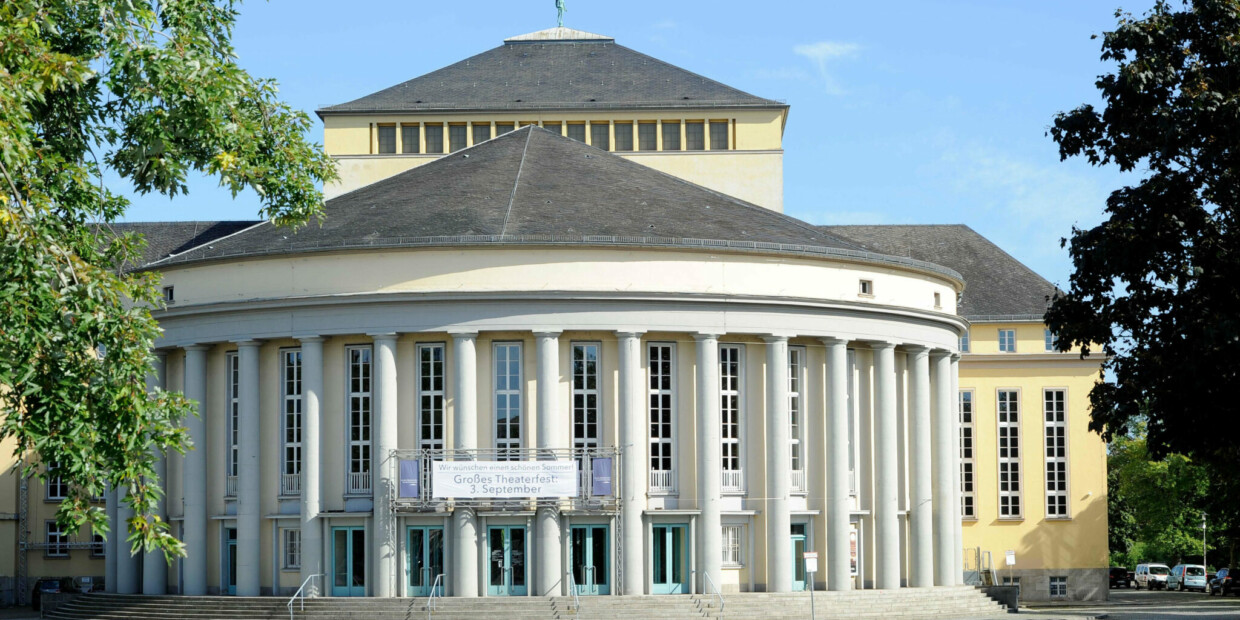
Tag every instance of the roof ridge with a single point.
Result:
(516, 180)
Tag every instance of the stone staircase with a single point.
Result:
(957, 602)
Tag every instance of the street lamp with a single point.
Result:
(1204, 563)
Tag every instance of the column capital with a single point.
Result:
(197, 347)
(547, 333)
(880, 345)
(377, 336)
(248, 343)
(955, 357)
(309, 338)
(704, 336)
(463, 334)
(939, 353)
(775, 338)
(630, 333)
(916, 349)
(832, 341)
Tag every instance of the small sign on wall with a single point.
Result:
(1010, 557)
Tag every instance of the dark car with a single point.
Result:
(1222, 582)
(50, 585)
(1120, 578)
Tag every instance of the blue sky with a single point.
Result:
(918, 112)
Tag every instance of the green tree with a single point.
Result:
(153, 92)
(1156, 285)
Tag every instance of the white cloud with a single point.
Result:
(823, 53)
(666, 24)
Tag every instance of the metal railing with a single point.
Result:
(661, 481)
(290, 484)
(798, 480)
(359, 482)
(300, 594)
(230, 486)
(435, 593)
(718, 595)
(732, 480)
(572, 589)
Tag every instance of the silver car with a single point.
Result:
(1187, 577)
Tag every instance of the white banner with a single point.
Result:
(503, 479)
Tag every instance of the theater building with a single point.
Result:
(554, 335)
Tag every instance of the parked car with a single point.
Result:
(1187, 577)
(1152, 576)
(50, 585)
(1222, 582)
(1119, 577)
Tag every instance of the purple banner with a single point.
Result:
(600, 483)
(408, 487)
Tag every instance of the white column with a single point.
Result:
(633, 481)
(778, 464)
(311, 401)
(886, 463)
(839, 555)
(945, 477)
(957, 574)
(465, 437)
(921, 512)
(249, 518)
(709, 465)
(384, 434)
(154, 565)
(552, 435)
(194, 475)
(128, 564)
(109, 544)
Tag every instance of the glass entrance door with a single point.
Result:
(230, 552)
(669, 553)
(424, 546)
(348, 561)
(798, 555)
(588, 554)
(506, 559)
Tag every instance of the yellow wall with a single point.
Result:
(750, 169)
(1079, 541)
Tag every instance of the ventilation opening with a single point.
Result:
(866, 288)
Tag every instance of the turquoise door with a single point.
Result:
(348, 561)
(424, 546)
(669, 555)
(798, 557)
(506, 561)
(588, 553)
(230, 551)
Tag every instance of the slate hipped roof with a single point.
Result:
(997, 286)
(533, 187)
(553, 69)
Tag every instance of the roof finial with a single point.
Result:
(559, 7)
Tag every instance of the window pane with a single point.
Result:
(600, 135)
(556, 127)
(456, 137)
(577, 131)
(719, 135)
(647, 136)
(624, 136)
(387, 138)
(434, 138)
(409, 136)
(671, 136)
(502, 128)
(695, 136)
(482, 132)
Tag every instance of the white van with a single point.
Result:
(1151, 576)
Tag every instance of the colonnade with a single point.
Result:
(933, 466)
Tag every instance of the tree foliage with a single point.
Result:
(152, 91)
(1157, 284)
